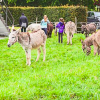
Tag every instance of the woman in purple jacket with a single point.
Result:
(61, 27)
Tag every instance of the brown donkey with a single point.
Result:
(70, 29)
(88, 29)
(96, 43)
(87, 43)
(94, 40)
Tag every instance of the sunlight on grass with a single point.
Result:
(66, 74)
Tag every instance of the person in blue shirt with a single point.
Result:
(44, 23)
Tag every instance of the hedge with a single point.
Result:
(53, 13)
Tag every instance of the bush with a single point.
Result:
(53, 13)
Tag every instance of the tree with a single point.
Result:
(97, 3)
(43, 3)
(88, 3)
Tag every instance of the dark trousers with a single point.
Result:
(60, 37)
(23, 29)
(45, 30)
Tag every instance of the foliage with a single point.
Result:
(97, 2)
(44, 3)
(53, 13)
(66, 74)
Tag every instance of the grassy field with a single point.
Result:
(67, 73)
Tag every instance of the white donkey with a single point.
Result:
(29, 41)
(56, 30)
(33, 27)
(70, 29)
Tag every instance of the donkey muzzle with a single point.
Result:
(8, 45)
(82, 32)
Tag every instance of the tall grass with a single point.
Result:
(66, 74)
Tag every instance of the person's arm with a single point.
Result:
(48, 21)
(57, 26)
(26, 22)
(41, 21)
(63, 26)
(19, 22)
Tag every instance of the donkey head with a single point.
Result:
(13, 36)
(83, 28)
(86, 49)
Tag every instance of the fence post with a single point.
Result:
(0, 2)
(36, 20)
(76, 23)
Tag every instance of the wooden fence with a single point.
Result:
(78, 24)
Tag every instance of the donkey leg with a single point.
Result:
(38, 54)
(68, 38)
(55, 33)
(95, 47)
(71, 39)
(28, 56)
(44, 52)
(98, 50)
(95, 50)
(50, 34)
(86, 34)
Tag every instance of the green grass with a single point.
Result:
(66, 74)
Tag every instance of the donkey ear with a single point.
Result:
(12, 28)
(18, 30)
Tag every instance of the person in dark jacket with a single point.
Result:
(61, 27)
(23, 22)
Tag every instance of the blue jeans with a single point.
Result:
(45, 30)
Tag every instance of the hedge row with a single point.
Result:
(53, 13)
